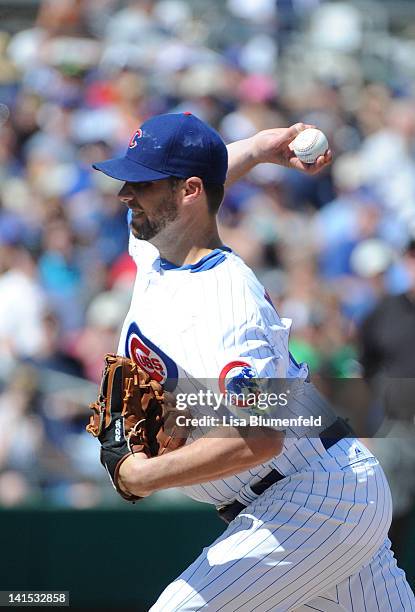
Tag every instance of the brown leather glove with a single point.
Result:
(130, 416)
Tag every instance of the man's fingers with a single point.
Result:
(321, 162)
(294, 130)
(297, 164)
(324, 160)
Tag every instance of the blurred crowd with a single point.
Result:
(331, 248)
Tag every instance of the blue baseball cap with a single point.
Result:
(171, 145)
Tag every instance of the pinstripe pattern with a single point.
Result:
(202, 323)
(315, 540)
(298, 548)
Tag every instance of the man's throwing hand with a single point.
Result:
(273, 146)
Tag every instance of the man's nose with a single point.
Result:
(125, 195)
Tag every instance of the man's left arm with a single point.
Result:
(209, 458)
(270, 146)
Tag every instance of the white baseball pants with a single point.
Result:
(312, 541)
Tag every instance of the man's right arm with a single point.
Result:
(270, 146)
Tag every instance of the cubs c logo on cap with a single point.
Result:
(134, 138)
(237, 380)
(150, 358)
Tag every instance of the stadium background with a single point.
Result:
(76, 79)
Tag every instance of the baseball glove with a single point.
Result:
(131, 415)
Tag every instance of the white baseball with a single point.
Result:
(309, 145)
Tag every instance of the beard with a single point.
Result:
(145, 229)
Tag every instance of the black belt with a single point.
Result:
(336, 432)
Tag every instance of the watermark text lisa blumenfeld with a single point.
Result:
(252, 420)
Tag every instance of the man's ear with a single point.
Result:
(193, 188)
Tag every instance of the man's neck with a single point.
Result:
(189, 245)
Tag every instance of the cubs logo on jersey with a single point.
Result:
(150, 358)
(237, 381)
(134, 139)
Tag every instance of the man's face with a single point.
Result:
(154, 205)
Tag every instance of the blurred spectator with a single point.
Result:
(52, 354)
(22, 303)
(60, 273)
(15, 490)
(22, 433)
(100, 335)
(388, 333)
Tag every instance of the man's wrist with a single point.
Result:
(131, 475)
(255, 149)
(252, 151)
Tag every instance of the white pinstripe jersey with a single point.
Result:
(203, 321)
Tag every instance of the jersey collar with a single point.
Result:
(209, 261)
